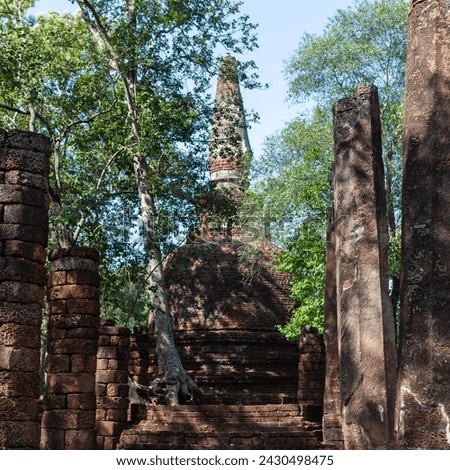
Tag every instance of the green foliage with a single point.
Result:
(294, 189)
(55, 79)
(363, 43)
(304, 258)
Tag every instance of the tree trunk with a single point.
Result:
(171, 373)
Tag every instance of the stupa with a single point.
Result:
(226, 297)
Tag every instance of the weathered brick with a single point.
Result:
(23, 249)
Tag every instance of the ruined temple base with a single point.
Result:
(224, 427)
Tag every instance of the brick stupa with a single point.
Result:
(226, 297)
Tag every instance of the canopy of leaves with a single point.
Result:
(363, 43)
(55, 79)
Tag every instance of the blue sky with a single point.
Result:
(281, 24)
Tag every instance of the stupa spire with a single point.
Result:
(229, 152)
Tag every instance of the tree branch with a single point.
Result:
(80, 223)
(29, 113)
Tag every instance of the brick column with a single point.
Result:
(364, 313)
(423, 393)
(68, 421)
(311, 372)
(112, 384)
(142, 357)
(24, 166)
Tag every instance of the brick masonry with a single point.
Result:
(69, 420)
(225, 427)
(24, 167)
(226, 308)
(311, 373)
(112, 387)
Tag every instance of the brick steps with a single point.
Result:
(222, 427)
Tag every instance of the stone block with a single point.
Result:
(26, 249)
(19, 435)
(117, 390)
(83, 276)
(55, 401)
(110, 352)
(72, 291)
(69, 320)
(72, 346)
(81, 401)
(82, 439)
(114, 403)
(112, 376)
(118, 415)
(29, 141)
(52, 439)
(66, 383)
(23, 233)
(16, 269)
(17, 194)
(18, 409)
(56, 363)
(68, 419)
(109, 428)
(22, 336)
(83, 306)
(83, 333)
(29, 314)
(25, 215)
(83, 363)
(57, 278)
(16, 358)
(19, 384)
(24, 178)
(24, 160)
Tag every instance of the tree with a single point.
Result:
(294, 191)
(363, 43)
(125, 99)
(154, 48)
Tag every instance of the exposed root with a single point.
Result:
(180, 388)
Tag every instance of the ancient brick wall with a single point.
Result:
(24, 166)
(222, 427)
(142, 360)
(68, 420)
(226, 306)
(112, 384)
(311, 374)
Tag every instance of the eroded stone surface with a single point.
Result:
(423, 393)
(364, 314)
(24, 165)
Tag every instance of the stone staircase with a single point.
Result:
(244, 427)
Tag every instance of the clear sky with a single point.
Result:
(281, 24)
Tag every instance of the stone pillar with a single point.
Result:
(68, 421)
(24, 166)
(311, 374)
(112, 387)
(423, 390)
(364, 313)
(332, 407)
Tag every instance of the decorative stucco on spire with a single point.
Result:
(229, 151)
